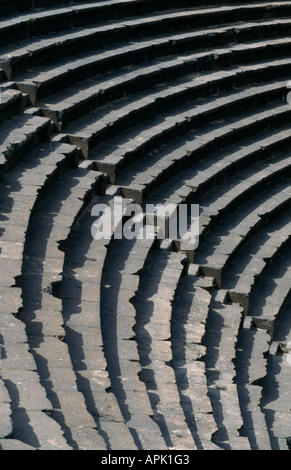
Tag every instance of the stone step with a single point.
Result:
(221, 188)
(14, 444)
(11, 102)
(223, 324)
(43, 260)
(54, 216)
(256, 363)
(20, 190)
(235, 190)
(251, 367)
(114, 344)
(40, 19)
(166, 161)
(12, 6)
(87, 334)
(276, 282)
(224, 241)
(6, 427)
(42, 81)
(32, 425)
(21, 133)
(57, 18)
(144, 174)
(152, 303)
(38, 168)
(190, 311)
(119, 332)
(168, 101)
(276, 384)
(37, 22)
(276, 409)
(208, 139)
(76, 101)
(248, 267)
(26, 410)
(80, 290)
(18, 57)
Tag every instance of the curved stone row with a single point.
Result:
(117, 344)
(188, 325)
(262, 359)
(153, 304)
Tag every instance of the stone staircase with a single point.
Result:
(116, 343)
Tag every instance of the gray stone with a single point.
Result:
(14, 444)
(6, 426)
(25, 390)
(88, 439)
(119, 435)
(36, 429)
(149, 434)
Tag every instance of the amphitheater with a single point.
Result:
(141, 344)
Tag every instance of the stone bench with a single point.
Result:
(222, 189)
(223, 325)
(269, 314)
(11, 103)
(251, 367)
(188, 152)
(140, 179)
(230, 191)
(12, 6)
(17, 406)
(21, 132)
(188, 326)
(120, 338)
(25, 184)
(158, 282)
(76, 102)
(170, 161)
(277, 382)
(81, 294)
(35, 51)
(124, 344)
(258, 356)
(265, 307)
(20, 190)
(225, 241)
(145, 6)
(29, 417)
(37, 22)
(34, 22)
(42, 81)
(115, 117)
(51, 222)
(246, 269)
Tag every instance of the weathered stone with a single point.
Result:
(6, 426)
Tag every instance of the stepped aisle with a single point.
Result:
(111, 340)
